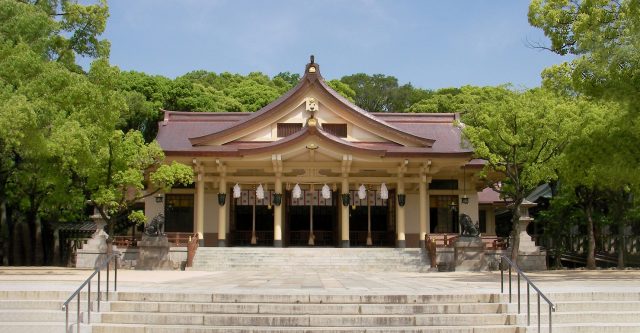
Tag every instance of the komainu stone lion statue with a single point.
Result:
(468, 228)
(155, 228)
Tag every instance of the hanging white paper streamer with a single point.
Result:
(384, 192)
(326, 192)
(362, 192)
(260, 192)
(297, 192)
(237, 191)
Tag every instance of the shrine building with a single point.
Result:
(314, 169)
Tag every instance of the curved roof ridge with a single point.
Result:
(311, 75)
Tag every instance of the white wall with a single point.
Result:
(412, 214)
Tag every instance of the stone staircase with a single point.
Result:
(309, 259)
(589, 312)
(36, 311)
(153, 312)
(192, 313)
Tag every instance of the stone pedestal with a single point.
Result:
(530, 257)
(154, 253)
(469, 254)
(95, 250)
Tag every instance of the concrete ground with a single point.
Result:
(47, 278)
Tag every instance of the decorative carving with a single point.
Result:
(468, 228)
(155, 228)
(402, 199)
(346, 199)
(222, 198)
(277, 199)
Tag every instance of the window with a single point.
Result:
(286, 129)
(339, 130)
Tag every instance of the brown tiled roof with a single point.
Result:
(184, 133)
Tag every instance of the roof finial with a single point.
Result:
(312, 59)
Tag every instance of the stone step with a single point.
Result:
(35, 316)
(584, 317)
(305, 320)
(309, 298)
(601, 306)
(299, 309)
(593, 296)
(48, 327)
(48, 305)
(326, 259)
(132, 328)
(586, 328)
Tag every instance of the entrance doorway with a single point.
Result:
(382, 214)
(242, 219)
(299, 224)
(444, 214)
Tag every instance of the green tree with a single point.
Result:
(520, 135)
(373, 92)
(605, 37)
(343, 89)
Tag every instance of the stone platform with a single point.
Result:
(276, 301)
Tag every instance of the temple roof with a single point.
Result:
(219, 133)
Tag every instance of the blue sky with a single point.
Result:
(432, 44)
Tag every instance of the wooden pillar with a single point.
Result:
(400, 216)
(200, 207)
(222, 213)
(277, 215)
(424, 209)
(344, 216)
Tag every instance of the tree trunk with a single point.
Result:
(515, 232)
(4, 232)
(38, 250)
(591, 246)
(621, 241)
(56, 247)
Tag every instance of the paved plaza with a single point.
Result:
(320, 282)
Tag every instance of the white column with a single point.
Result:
(344, 216)
(400, 216)
(222, 214)
(424, 209)
(200, 207)
(277, 215)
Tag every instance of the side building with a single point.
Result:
(312, 168)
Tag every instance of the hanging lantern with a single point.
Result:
(297, 192)
(326, 192)
(384, 192)
(260, 192)
(237, 191)
(362, 192)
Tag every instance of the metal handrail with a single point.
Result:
(552, 307)
(87, 283)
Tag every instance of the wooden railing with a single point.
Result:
(491, 242)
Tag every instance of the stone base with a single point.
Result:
(222, 243)
(536, 261)
(401, 244)
(154, 254)
(277, 243)
(94, 252)
(469, 254)
(345, 243)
